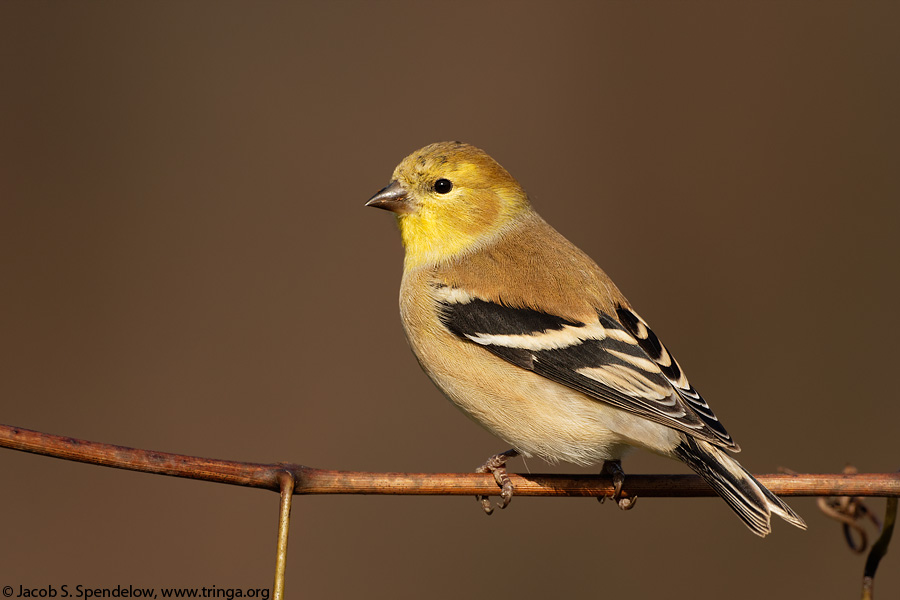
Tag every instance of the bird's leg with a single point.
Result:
(496, 466)
(614, 469)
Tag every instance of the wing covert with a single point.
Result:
(619, 362)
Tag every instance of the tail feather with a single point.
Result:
(752, 502)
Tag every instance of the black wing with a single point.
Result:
(619, 362)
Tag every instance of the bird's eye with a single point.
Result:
(443, 186)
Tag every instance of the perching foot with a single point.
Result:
(614, 469)
(496, 465)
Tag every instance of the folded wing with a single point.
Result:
(617, 360)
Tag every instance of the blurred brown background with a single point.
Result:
(187, 266)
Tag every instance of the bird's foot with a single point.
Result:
(496, 466)
(614, 469)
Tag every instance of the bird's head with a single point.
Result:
(450, 198)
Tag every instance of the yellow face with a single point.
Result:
(450, 198)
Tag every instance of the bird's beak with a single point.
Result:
(392, 198)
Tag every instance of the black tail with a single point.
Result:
(752, 502)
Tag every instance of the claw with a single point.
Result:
(627, 503)
(496, 466)
(614, 469)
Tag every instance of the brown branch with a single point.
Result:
(324, 481)
(286, 480)
(879, 548)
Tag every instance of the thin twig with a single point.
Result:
(879, 548)
(324, 481)
(284, 526)
(850, 512)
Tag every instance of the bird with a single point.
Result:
(529, 338)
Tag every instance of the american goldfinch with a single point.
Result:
(531, 339)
